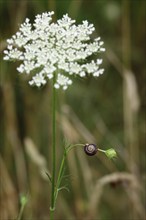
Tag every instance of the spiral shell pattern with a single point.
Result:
(90, 149)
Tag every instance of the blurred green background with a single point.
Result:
(108, 111)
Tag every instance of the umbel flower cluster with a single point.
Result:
(60, 50)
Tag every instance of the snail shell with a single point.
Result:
(90, 149)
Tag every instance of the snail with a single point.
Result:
(90, 149)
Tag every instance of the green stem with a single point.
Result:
(59, 178)
(23, 201)
(72, 146)
(101, 150)
(52, 208)
(21, 212)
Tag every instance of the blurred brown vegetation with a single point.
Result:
(109, 111)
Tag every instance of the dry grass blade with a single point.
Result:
(8, 195)
(13, 135)
(78, 125)
(114, 177)
(36, 157)
(86, 173)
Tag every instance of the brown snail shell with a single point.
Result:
(90, 149)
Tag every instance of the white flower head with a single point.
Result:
(60, 50)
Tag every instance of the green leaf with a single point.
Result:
(49, 177)
(63, 187)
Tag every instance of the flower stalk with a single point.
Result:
(52, 207)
